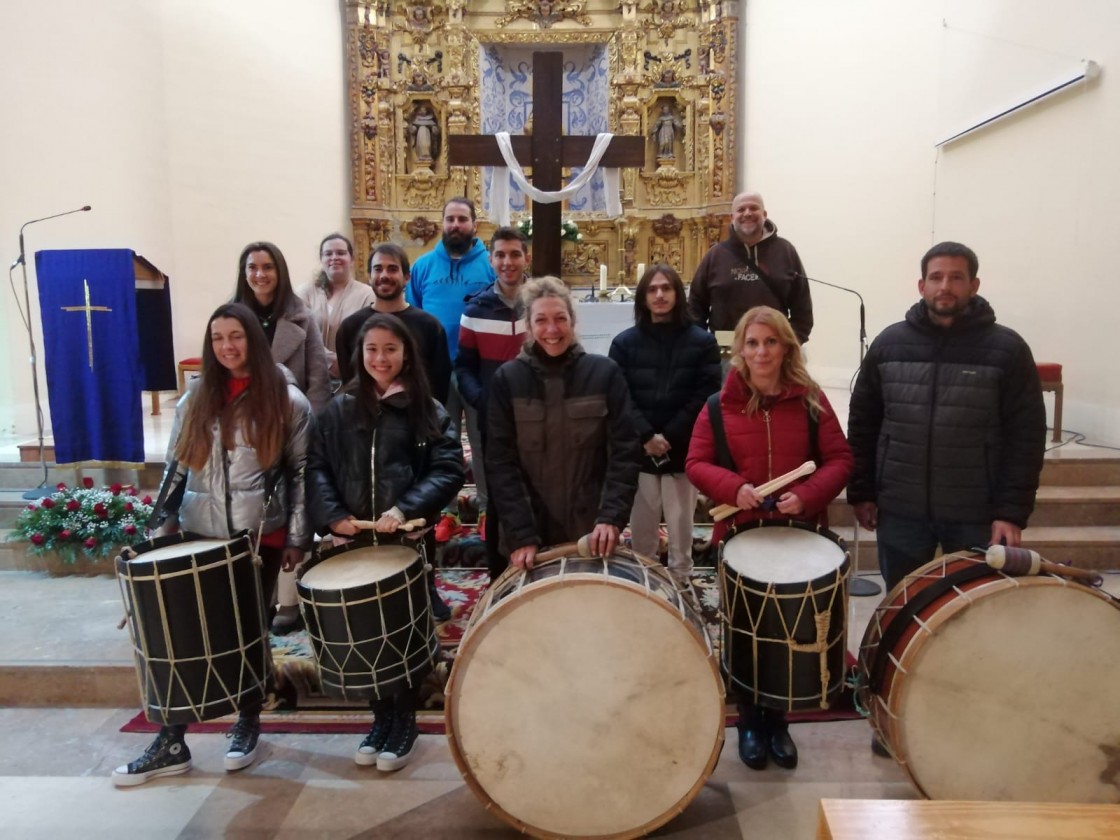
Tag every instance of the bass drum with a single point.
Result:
(585, 700)
(986, 686)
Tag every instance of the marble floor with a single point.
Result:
(55, 763)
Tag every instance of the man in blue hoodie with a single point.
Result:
(442, 280)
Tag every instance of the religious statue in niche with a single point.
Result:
(666, 130)
(423, 133)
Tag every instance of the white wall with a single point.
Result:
(845, 100)
(195, 126)
(191, 126)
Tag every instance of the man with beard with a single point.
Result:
(752, 267)
(441, 282)
(491, 333)
(946, 423)
(388, 275)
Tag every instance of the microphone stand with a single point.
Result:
(858, 586)
(41, 490)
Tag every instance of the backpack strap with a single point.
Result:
(715, 416)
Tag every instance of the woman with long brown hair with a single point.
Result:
(236, 463)
(265, 287)
(385, 451)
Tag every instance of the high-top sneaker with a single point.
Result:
(402, 742)
(167, 755)
(374, 743)
(243, 735)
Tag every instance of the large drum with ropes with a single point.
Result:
(993, 686)
(196, 616)
(585, 700)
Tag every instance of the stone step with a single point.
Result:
(1055, 506)
(1070, 471)
(1088, 547)
(17, 476)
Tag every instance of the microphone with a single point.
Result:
(862, 309)
(21, 258)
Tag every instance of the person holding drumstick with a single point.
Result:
(563, 455)
(236, 462)
(385, 451)
(774, 418)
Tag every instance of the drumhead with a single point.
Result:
(359, 566)
(585, 708)
(782, 554)
(182, 549)
(1014, 697)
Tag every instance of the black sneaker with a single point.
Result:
(402, 742)
(243, 737)
(167, 755)
(287, 620)
(369, 751)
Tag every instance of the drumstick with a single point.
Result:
(721, 512)
(582, 547)
(410, 525)
(1022, 561)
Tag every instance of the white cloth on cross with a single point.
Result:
(499, 186)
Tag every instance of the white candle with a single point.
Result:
(602, 277)
(641, 270)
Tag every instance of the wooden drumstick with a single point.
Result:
(582, 547)
(410, 525)
(721, 512)
(1022, 561)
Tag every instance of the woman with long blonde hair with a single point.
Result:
(774, 418)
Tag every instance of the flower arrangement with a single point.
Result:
(95, 522)
(569, 230)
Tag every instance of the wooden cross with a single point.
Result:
(89, 310)
(548, 151)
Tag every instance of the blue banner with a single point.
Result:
(91, 355)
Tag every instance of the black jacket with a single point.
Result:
(947, 423)
(418, 477)
(562, 453)
(671, 371)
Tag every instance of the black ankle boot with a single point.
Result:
(752, 737)
(781, 744)
(440, 610)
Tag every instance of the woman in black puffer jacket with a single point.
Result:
(385, 452)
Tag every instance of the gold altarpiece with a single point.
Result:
(414, 79)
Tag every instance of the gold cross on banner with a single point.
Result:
(89, 310)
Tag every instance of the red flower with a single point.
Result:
(116, 489)
(147, 500)
(73, 504)
(91, 542)
(131, 490)
(130, 529)
(38, 539)
(128, 508)
(66, 533)
(87, 483)
(48, 503)
(60, 486)
(101, 511)
(32, 507)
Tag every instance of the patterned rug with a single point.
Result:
(300, 706)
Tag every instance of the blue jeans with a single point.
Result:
(905, 544)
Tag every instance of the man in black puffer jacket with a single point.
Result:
(946, 423)
(672, 367)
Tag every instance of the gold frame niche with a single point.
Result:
(403, 57)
